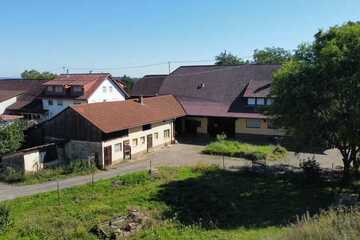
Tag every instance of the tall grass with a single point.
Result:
(335, 224)
(245, 150)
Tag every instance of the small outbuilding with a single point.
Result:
(112, 131)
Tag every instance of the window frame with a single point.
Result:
(118, 147)
(135, 142)
(104, 89)
(59, 89)
(59, 102)
(167, 133)
(50, 102)
(262, 101)
(248, 121)
(269, 101)
(251, 99)
(142, 140)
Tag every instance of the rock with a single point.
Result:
(121, 227)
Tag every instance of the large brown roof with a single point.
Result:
(211, 90)
(115, 116)
(149, 85)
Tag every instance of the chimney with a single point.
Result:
(141, 100)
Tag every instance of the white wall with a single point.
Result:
(6, 103)
(99, 95)
(55, 108)
(137, 133)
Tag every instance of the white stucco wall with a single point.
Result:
(99, 95)
(6, 103)
(34, 161)
(137, 133)
(55, 108)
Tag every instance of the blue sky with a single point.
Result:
(116, 35)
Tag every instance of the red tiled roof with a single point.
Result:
(257, 89)
(149, 85)
(7, 94)
(89, 81)
(115, 116)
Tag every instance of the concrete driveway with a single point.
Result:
(181, 154)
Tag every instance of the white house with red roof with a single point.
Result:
(73, 89)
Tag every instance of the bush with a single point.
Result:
(5, 219)
(342, 223)
(311, 169)
(80, 166)
(11, 175)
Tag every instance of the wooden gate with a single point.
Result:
(149, 142)
(107, 156)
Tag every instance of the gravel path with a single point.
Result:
(175, 155)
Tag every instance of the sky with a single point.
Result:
(140, 37)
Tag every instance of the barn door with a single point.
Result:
(149, 142)
(107, 156)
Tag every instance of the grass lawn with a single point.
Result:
(245, 150)
(184, 203)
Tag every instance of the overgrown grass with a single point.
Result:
(72, 168)
(184, 203)
(245, 150)
(330, 225)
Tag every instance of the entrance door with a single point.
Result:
(149, 142)
(107, 156)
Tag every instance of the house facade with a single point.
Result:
(19, 99)
(222, 99)
(74, 89)
(112, 131)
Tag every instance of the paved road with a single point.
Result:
(175, 155)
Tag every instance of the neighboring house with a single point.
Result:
(73, 89)
(109, 131)
(148, 86)
(222, 99)
(19, 97)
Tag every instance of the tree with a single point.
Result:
(317, 94)
(226, 58)
(11, 137)
(36, 75)
(129, 82)
(271, 55)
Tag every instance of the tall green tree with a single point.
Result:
(317, 94)
(227, 58)
(36, 75)
(11, 137)
(271, 55)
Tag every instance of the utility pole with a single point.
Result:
(169, 66)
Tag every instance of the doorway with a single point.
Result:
(221, 125)
(149, 141)
(107, 156)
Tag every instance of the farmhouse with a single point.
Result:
(148, 86)
(112, 131)
(74, 89)
(220, 99)
(19, 99)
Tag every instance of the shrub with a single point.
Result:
(311, 169)
(342, 223)
(78, 166)
(11, 175)
(5, 219)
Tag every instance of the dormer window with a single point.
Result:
(59, 89)
(77, 89)
(251, 101)
(260, 101)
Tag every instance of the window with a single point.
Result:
(77, 102)
(77, 89)
(118, 147)
(156, 135)
(59, 102)
(268, 101)
(58, 89)
(260, 101)
(104, 89)
(167, 133)
(50, 102)
(146, 127)
(110, 89)
(135, 142)
(251, 101)
(253, 123)
(50, 88)
(142, 140)
(270, 124)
